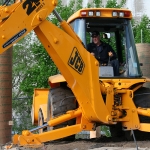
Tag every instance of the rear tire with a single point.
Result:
(61, 100)
(142, 99)
(116, 130)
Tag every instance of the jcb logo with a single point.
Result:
(76, 62)
(31, 5)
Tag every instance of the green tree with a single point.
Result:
(21, 104)
(21, 114)
(114, 4)
(141, 30)
(78, 5)
(22, 61)
(97, 3)
(109, 4)
(37, 75)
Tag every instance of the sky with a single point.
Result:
(85, 2)
(139, 7)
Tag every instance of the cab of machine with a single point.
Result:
(115, 24)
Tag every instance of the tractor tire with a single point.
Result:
(116, 130)
(142, 99)
(61, 100)
(41, 121)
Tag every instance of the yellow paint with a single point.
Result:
(40, 98)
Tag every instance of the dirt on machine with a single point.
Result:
(85, 94)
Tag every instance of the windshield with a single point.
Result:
(80, 29)
(120, 38)
(132, 59)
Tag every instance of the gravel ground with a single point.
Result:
(92, 144)
(143, 141)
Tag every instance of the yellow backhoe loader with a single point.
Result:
(84, 95)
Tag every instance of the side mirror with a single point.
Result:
(106, 35)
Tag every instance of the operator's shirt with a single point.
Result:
(101, 52)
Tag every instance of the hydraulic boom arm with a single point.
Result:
(79, 68)
(65, 48)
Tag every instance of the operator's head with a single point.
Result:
(95, 37)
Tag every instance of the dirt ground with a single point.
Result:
(94, 143)
(89, 144)
(142, 141)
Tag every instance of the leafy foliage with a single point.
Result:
(6, 2)
(114, 4)
(78, 5)
(21, 114)
(141, 30)
(22, 61)
(97, 3)
(37, 75)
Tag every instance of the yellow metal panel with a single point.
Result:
(34, 140)
(124, 83)
(21, 18)
(143, 111)
(40, 97)
(68, 116)
(56, 78)
(144, 127)
(110, 98)
(83, 82)
(132, 121)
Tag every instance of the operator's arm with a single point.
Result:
(111, 52)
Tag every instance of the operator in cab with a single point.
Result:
(103, 52)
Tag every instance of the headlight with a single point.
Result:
(115, 14)
(91, 13)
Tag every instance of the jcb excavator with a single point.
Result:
(84, 95)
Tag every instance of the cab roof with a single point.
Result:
(104, 13)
